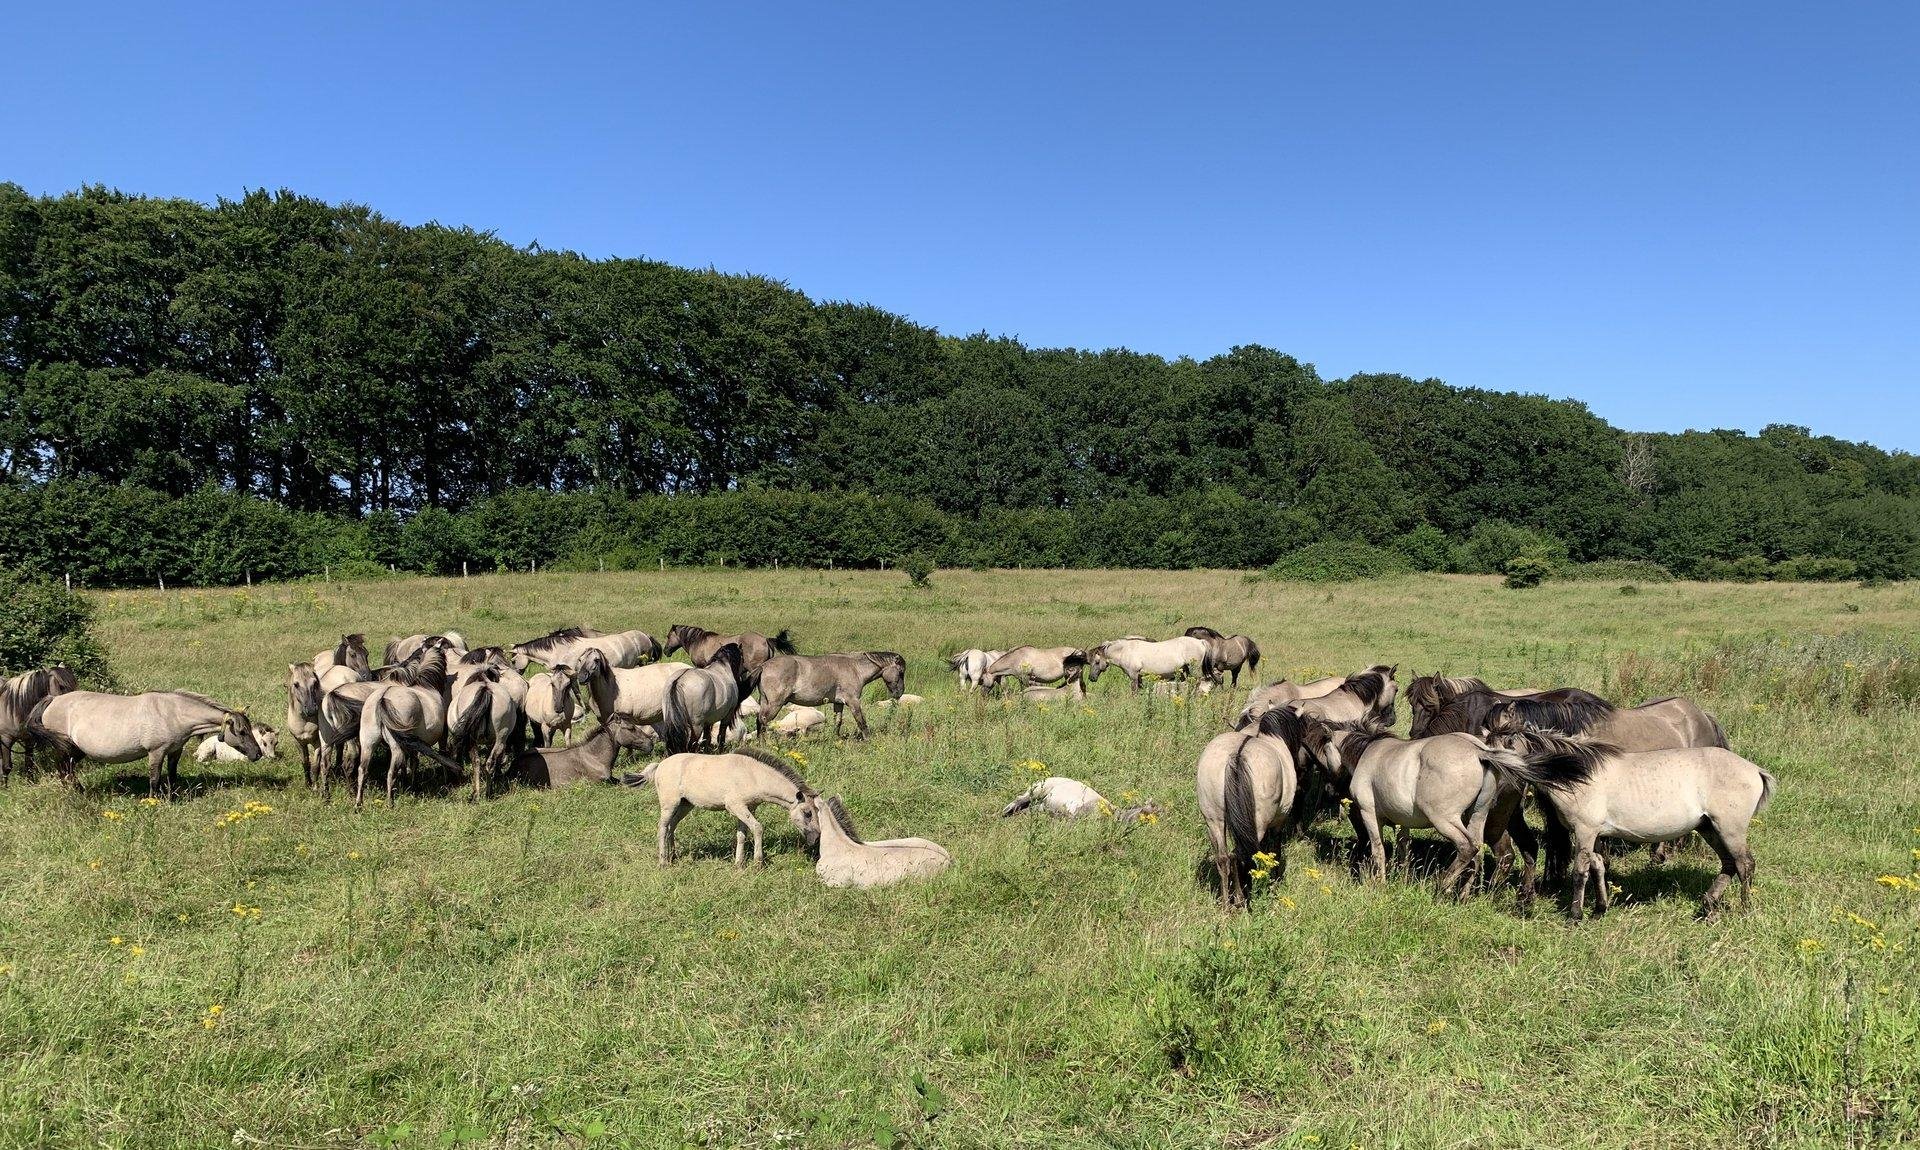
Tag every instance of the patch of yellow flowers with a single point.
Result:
(212, 1018)
(252, 810)
(1263, 863)
(242, 910)
(797, 757)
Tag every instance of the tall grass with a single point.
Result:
(521, 972)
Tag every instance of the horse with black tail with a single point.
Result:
(1231, 653)
(18, 698)
(701, 703)
(1249, 785)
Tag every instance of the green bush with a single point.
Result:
(1425, 548)
(1336, 561)
(1747, 569)
(42, 623)
(1493, 543)
(1609, 570)
(1815, 569)
(1529, 569)
(918, 567)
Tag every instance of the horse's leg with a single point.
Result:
(1222, 862)
(1602, 898)
(1584, 855)
(173, 769)
(6, 759)
(1466, 852)
(395, 758)
(1519, 835)
(156, 769)
(1732, 863)
(749, 825)
(859, 719)
(1376, 844)
(669, 818)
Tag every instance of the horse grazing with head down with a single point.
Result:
(18, 698)
(1189, 658)
(122, 728)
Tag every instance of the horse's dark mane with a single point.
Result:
(1568, 710)
(886, 657)
(1367, 685)
(481, 655)
(1360, 736)
(555, 638)
(778, 763)
(1588, 753)
(839, 811)
(1287, 726)
(1203, 633)
(432, 672)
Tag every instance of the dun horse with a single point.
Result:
(1364, 697)
(1189, 658)
(700, 704)
(1247, 783)
(848, 860)
(702, 645)
(737, 783)
(971, 664)
(18, 697)
(639, 693)
(567, 645)
(589, 762)
(122, 728)
(1030, 665)
(836, 679)
(1231, 653)
(1646, 797)
(551, 704)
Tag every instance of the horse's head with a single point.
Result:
(1207, 633)
(804, 814)
(1094, 659)
(303, 688)
(627, 734)
(269, 740)
(677, 637)
(236, 731)
(593, 664)
(893, 671)
(1503, 719)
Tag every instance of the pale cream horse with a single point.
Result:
(1185, 656)
(1248, 783)
(1030, 665)
(736, 782)
(847, 860)
(639, 693)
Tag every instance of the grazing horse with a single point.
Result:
(551, 703)
(589, 762)
(1366, 696)
(1647, 797)
(1185, 656)
(567, 645)
(350, 652)
(971, 664)
(846, 859)
(1230, 653)
(121, 728)
(18, 697)
(835, 679)
(1030, 665)
(1248, 783)
(702, 645)
(1060, 797)
(701, 702)
(403, 650)
(1456, 784)
(482, 709)
(639, 693)
(735, 782)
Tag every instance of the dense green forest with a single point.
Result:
(274, 385)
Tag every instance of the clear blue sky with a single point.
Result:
(1688, 215)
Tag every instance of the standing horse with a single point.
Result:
(303, 713)
(846, 859)
(1249, 783)
(350, 652)
(1264, 699)
(1230, 653)
(567, 645)
(1456, 784)
(482, 710)
(18, 697)
(1185, 656)
(1364, 697)
(835, 679)
(700, 703)
(1427, 694)
(403, 650)
(702, 645)
(1030, 665)
(121, 728)
(639, 693)
(551, 704)
(407, 718)
(1647, 797)
(971, 664)
(736, 782)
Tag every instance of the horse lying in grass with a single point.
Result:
(589, 761)
(211, 749)
(847, 860)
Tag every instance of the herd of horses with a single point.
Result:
(1653, 774)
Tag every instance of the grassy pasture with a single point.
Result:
(522, 973)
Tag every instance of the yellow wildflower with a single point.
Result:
(1289, 903)
(182, 916)
(797, 757)
(112, 816)
(1036, 766)
(149, 801)
(1811, 946)
(729, 935)
(6, 968)
(1265, 858)
(1897, 882)
(116, 940)
(1149, 818)
(93, 864)
(136, 951)
(1437, 1026)
(353, 854)
(1313, 872)
(1326, 890)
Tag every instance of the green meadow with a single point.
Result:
(247, 966)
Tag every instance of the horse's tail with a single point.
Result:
(1719, 732)
(1020, 804)
(386, 724)
(39, 732)
(783, 643)
(654, 654)
(465, 735)
(1548, 763)
(677, 726)
(1767, 783)
(1253, 656)
(1242, 822)
(1207, 662)
(639, 778)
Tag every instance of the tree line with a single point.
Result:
(180, 381)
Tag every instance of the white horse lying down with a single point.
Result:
(904, 701)
(1060, 797)
(846, 859)
(212, 748)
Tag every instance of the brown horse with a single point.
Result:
(1231, 653)
(836, 679)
